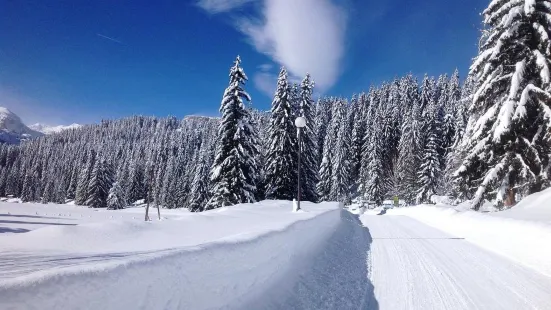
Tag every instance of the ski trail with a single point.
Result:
(418, 267)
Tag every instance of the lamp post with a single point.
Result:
(300, 123)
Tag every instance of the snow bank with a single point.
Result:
(225, 257)
(525, 242)
(536, 207)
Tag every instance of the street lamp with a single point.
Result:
(300, 122)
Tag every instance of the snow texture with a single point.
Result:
(506, 233)
(238, 257)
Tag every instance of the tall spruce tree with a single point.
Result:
(372, 174)
(100, 183)
(281, 159)
(309, 149)
(81, 194)
(234, 173)
(199, 186)
(509, 143)
(360, 105)
(342, 170)
(410, 151)
(430, 168)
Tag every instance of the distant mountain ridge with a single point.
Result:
(12, 129)
(45, 129)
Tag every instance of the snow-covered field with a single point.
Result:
(238, 257)
(20, 218)
(263, 256)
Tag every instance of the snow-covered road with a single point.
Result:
(263, 256)
(415, 266)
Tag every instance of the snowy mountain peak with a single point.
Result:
(46, 129)
(12, 129)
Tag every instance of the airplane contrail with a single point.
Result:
(108, 38)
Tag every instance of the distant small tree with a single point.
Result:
(101, 180)
(115, 200)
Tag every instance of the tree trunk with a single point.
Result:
(509, 198)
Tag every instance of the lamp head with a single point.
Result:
(300, 122)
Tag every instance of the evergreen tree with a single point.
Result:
(374, 183)
(199, 184)
(137, 178)
(235, 172)
(49, 194)
(410, 152)
(508, 144)
(341, 187)
(309, 164)
(281, 159)
(115, 199)
(81, 193)
(431, 160)
(326, 173)
(429, 172)
(323, 120)
(359, 125)
(100, 183)
(27, 193)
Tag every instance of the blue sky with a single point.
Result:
(81, 61)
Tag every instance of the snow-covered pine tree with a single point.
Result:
(48, 195)
(374, 184)
(81, 193)
(462, 110)
(101, 180)
(509, 143)
(323, 121)
(391, 122)
(115, 199)
(431, 160)
(199, 185)
(410, 146)
(450, 104)
(234, 173)
(309, 149)
(340, 190)
(136, 184)
(3, 181)
(360, 105)
(371, 122)
(372, 173)
(326, 173)
(27, 194)
(281, 161)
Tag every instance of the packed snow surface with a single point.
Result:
(522, 233)
(415, 266)
(264, 256)
(242, 257)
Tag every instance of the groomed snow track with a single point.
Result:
(302, 267)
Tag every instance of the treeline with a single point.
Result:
(372, 146)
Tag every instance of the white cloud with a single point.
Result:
(220, 6)
(265, 82)
(304, 36)
(265, 67)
